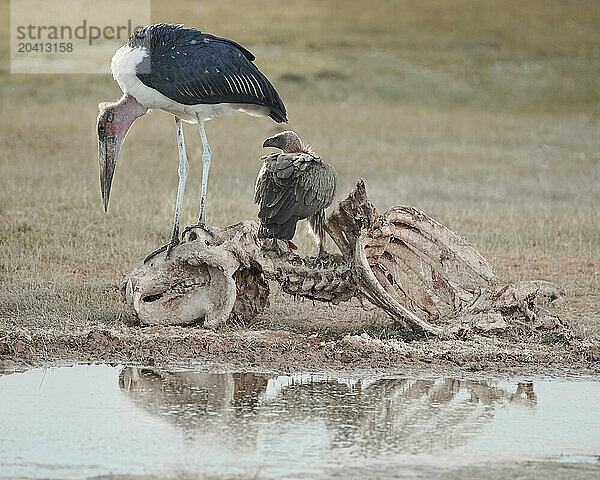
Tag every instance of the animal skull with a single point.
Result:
(197, 284)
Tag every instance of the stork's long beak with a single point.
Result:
(108, 149)
(113, 123)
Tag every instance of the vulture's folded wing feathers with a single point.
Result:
(292, 187)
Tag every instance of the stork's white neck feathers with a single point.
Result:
(124, 64)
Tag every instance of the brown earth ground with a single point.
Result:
(484, 115)
(235, 349)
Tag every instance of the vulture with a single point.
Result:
(293, 185)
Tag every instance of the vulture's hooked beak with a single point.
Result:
(269, 142)
(108, 150)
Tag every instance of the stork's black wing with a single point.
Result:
(191, 67)
(291, 187)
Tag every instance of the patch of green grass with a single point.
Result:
(482, 114)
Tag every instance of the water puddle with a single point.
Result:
(86, 421)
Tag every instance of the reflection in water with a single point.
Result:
(92, 421)
(373, 416)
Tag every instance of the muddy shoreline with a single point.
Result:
(290, 352)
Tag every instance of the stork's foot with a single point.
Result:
(198, 225)
(323, 258)
(323, 254)
(168, 247)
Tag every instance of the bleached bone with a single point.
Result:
(427, 278)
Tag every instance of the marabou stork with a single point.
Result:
(291, 186)
(193, 75)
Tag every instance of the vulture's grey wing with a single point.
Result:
(261, 181)
(320, 185)
(292, 187)
(191, 67)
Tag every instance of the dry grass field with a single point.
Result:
(483, 114)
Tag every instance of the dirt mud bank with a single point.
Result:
(288, 351)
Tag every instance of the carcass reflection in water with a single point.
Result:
(402, 415)
(75, 422)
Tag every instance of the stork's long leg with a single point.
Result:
(206, 158)
(183, 172)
